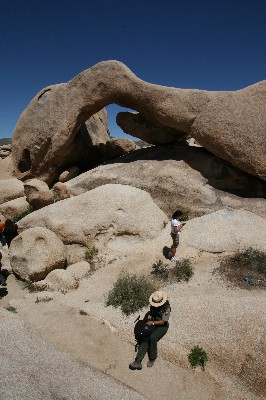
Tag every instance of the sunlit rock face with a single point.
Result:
(232, 125)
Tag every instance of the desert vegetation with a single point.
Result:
(246, 269)
(197, 357)
(130, 292)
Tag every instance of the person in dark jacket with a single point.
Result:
(158, 316)
(2, 279)
(10, 231)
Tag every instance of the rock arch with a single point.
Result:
(231, 125)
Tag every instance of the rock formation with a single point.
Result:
(37, 193)
(122, 214)
(10, 189)
(36, 252)
(225, 231)
(180, 176)
(232, 125)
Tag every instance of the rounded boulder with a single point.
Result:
(36, 252)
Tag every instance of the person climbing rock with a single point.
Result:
(176, 227)
(159, 317)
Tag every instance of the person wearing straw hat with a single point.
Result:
(159, 317)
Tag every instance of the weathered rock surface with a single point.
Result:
(70, 173)
(61, 280)
(45, 159)
(97, 128)
(122, 215)
(239, 118)
(6, 168)
(225, 231)
(35, 252)
(117, 147)
(60, 191)
(10, 189)
(32, 369)
(37, 193)
(155, 133)
(14, 207)
(75, 253)
(180, 176)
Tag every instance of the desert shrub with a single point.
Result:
(90, 254)
(197, 357)
(247, 268)
(27, 286)
(253, 259)
(184, 270)
(18, 217)
(183, 218)
(11, 309)
(131, 292)
(165, 223)
(160, 270)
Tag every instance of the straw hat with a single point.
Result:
(158, 298)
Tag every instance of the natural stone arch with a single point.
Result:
(53, 117)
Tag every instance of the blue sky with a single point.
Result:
(213, 45)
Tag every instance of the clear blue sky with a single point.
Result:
(206, 44)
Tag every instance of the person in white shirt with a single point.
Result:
(176, 227)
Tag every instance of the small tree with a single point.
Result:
(197, 357)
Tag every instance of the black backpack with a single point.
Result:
(142, 331)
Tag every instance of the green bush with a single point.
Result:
(183, 218)
(91, 254)
(245, 269)
(131, 292)
(184, 270)
(197, 357)
(18, 217)
(160, 270)
(165, 223)
(253, 259)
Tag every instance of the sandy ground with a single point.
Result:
(203, 312)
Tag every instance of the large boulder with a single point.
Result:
(110, 215)
(7, 170)
(14, 207)
(70, 173)
(117, 147)
(60, 191)
(155, 133)
(10, 189)
(180, 176)
(239, 118)
(225, 231)
(64, 280)
(38, 194)
(36, 252)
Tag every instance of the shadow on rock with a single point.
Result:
(220, 174)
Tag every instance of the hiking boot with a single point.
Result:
(174, 259)
(150, 363)
(135, 365)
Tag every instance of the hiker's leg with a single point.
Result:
(175, 238)
(143, 347)
(153, 340)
